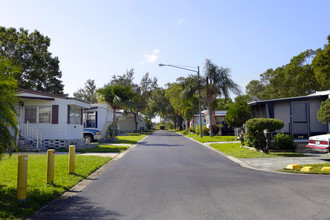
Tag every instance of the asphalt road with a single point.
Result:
(168, 176)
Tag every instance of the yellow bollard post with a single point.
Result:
(22, 177)
(50, 165)
(72, 150)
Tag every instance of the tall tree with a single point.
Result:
(323, 114)
(38, 69)
(223, 104)
(192, 86)
(293, 79)
(321, 63)
(217, 83)
(239, 112)
(255, 88)
(8, 99)
(126, 79)
(141, 95)
(88, 93)
(307, 72)
(118, 97)
(173, 93)
(159, 105)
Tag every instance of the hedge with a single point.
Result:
(255, 132)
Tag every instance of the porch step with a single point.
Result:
(26, 146)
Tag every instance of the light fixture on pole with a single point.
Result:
(199, 92)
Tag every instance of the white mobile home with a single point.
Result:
(49, 120)
(99, 116)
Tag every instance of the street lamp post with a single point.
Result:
(199, 93)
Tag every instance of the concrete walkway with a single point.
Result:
(112, 155)
(276, 163)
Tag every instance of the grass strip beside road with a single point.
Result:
(130, 139)
(104, 149)
(235, 150)
(107, 148)
(316, 169)
(39, 192)
(206, 139)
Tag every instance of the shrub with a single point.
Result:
(205, 130)
(191, 129)
(283, 142)
(162, 127)
(255, 132)
(215, 129)
(220, 129)
(148, 124)
(242, 138)
(238, 113)
(323, 114)
(198, 130)
(170, 125)
(109, 130)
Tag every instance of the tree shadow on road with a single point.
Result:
(160, 145)
(75, 207)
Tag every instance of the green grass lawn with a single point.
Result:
(100, 149)
(39, 192)
(187, 134)
(235, 150)
(130, 139)
(316, 170)
(191, 135)
(205, 139)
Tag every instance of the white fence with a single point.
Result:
(32, 133)
(237, 132)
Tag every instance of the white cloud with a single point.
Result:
(150, 58)
(180, 21)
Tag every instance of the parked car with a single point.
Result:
(319, 142)
(91, 134)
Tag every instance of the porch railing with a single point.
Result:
(32, 133)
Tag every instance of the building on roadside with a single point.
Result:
(299, 114)
(48, 120)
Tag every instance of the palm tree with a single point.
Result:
(217, 83)
(192, 84)
(8, 99)
(118, 97)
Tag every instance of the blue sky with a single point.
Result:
(98, 39)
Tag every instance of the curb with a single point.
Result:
(83, 183)
(241, 163)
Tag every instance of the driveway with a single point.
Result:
(168, 176)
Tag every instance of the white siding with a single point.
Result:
(49, 131)
(109, 117)
(104, 116)
(62, 130)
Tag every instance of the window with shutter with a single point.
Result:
(54, 114)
